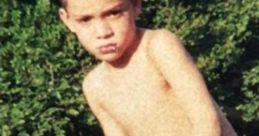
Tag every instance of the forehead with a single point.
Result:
(77, 7)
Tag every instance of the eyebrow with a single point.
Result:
(117, 6)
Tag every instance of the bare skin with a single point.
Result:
(147, 84)
(136, 99)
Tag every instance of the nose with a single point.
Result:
(103, 29)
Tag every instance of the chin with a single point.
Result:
(109, 58)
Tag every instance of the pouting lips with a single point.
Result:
(108, 48)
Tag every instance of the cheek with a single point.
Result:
(82, 38)
(83, 35)
(125, 27)
(85, 39)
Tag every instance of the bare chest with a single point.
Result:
(139, 96)
(132, 90)
(130, 95)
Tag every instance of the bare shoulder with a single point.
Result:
(163, 43)
(163, 36)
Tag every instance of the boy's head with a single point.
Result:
(105, 28)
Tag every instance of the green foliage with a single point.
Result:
(250, 89)
(41, 69)
(223, 38)
(42, 64)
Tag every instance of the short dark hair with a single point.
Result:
(62, 3)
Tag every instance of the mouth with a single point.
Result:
(108, 48)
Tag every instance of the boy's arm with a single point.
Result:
(108, 124)
(188, 86)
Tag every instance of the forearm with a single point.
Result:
(206, 125)
(113, 130)
(112, 127)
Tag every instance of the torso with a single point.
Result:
(139, 99)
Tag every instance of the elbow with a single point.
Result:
(211, 126)
(216, 126)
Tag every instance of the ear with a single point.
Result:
(65, 18)
(137, 6)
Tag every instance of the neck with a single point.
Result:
(128, 53)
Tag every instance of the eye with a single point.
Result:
(84, 20)
(115, 13)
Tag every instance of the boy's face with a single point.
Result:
(104, 27)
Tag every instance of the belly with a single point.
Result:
(164, 120)
(153, 113)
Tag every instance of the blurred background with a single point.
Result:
(42, 65)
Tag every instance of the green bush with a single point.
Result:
(42, 65)
(223, 38)
(41, 69)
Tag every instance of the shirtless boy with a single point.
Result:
(147, 84)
